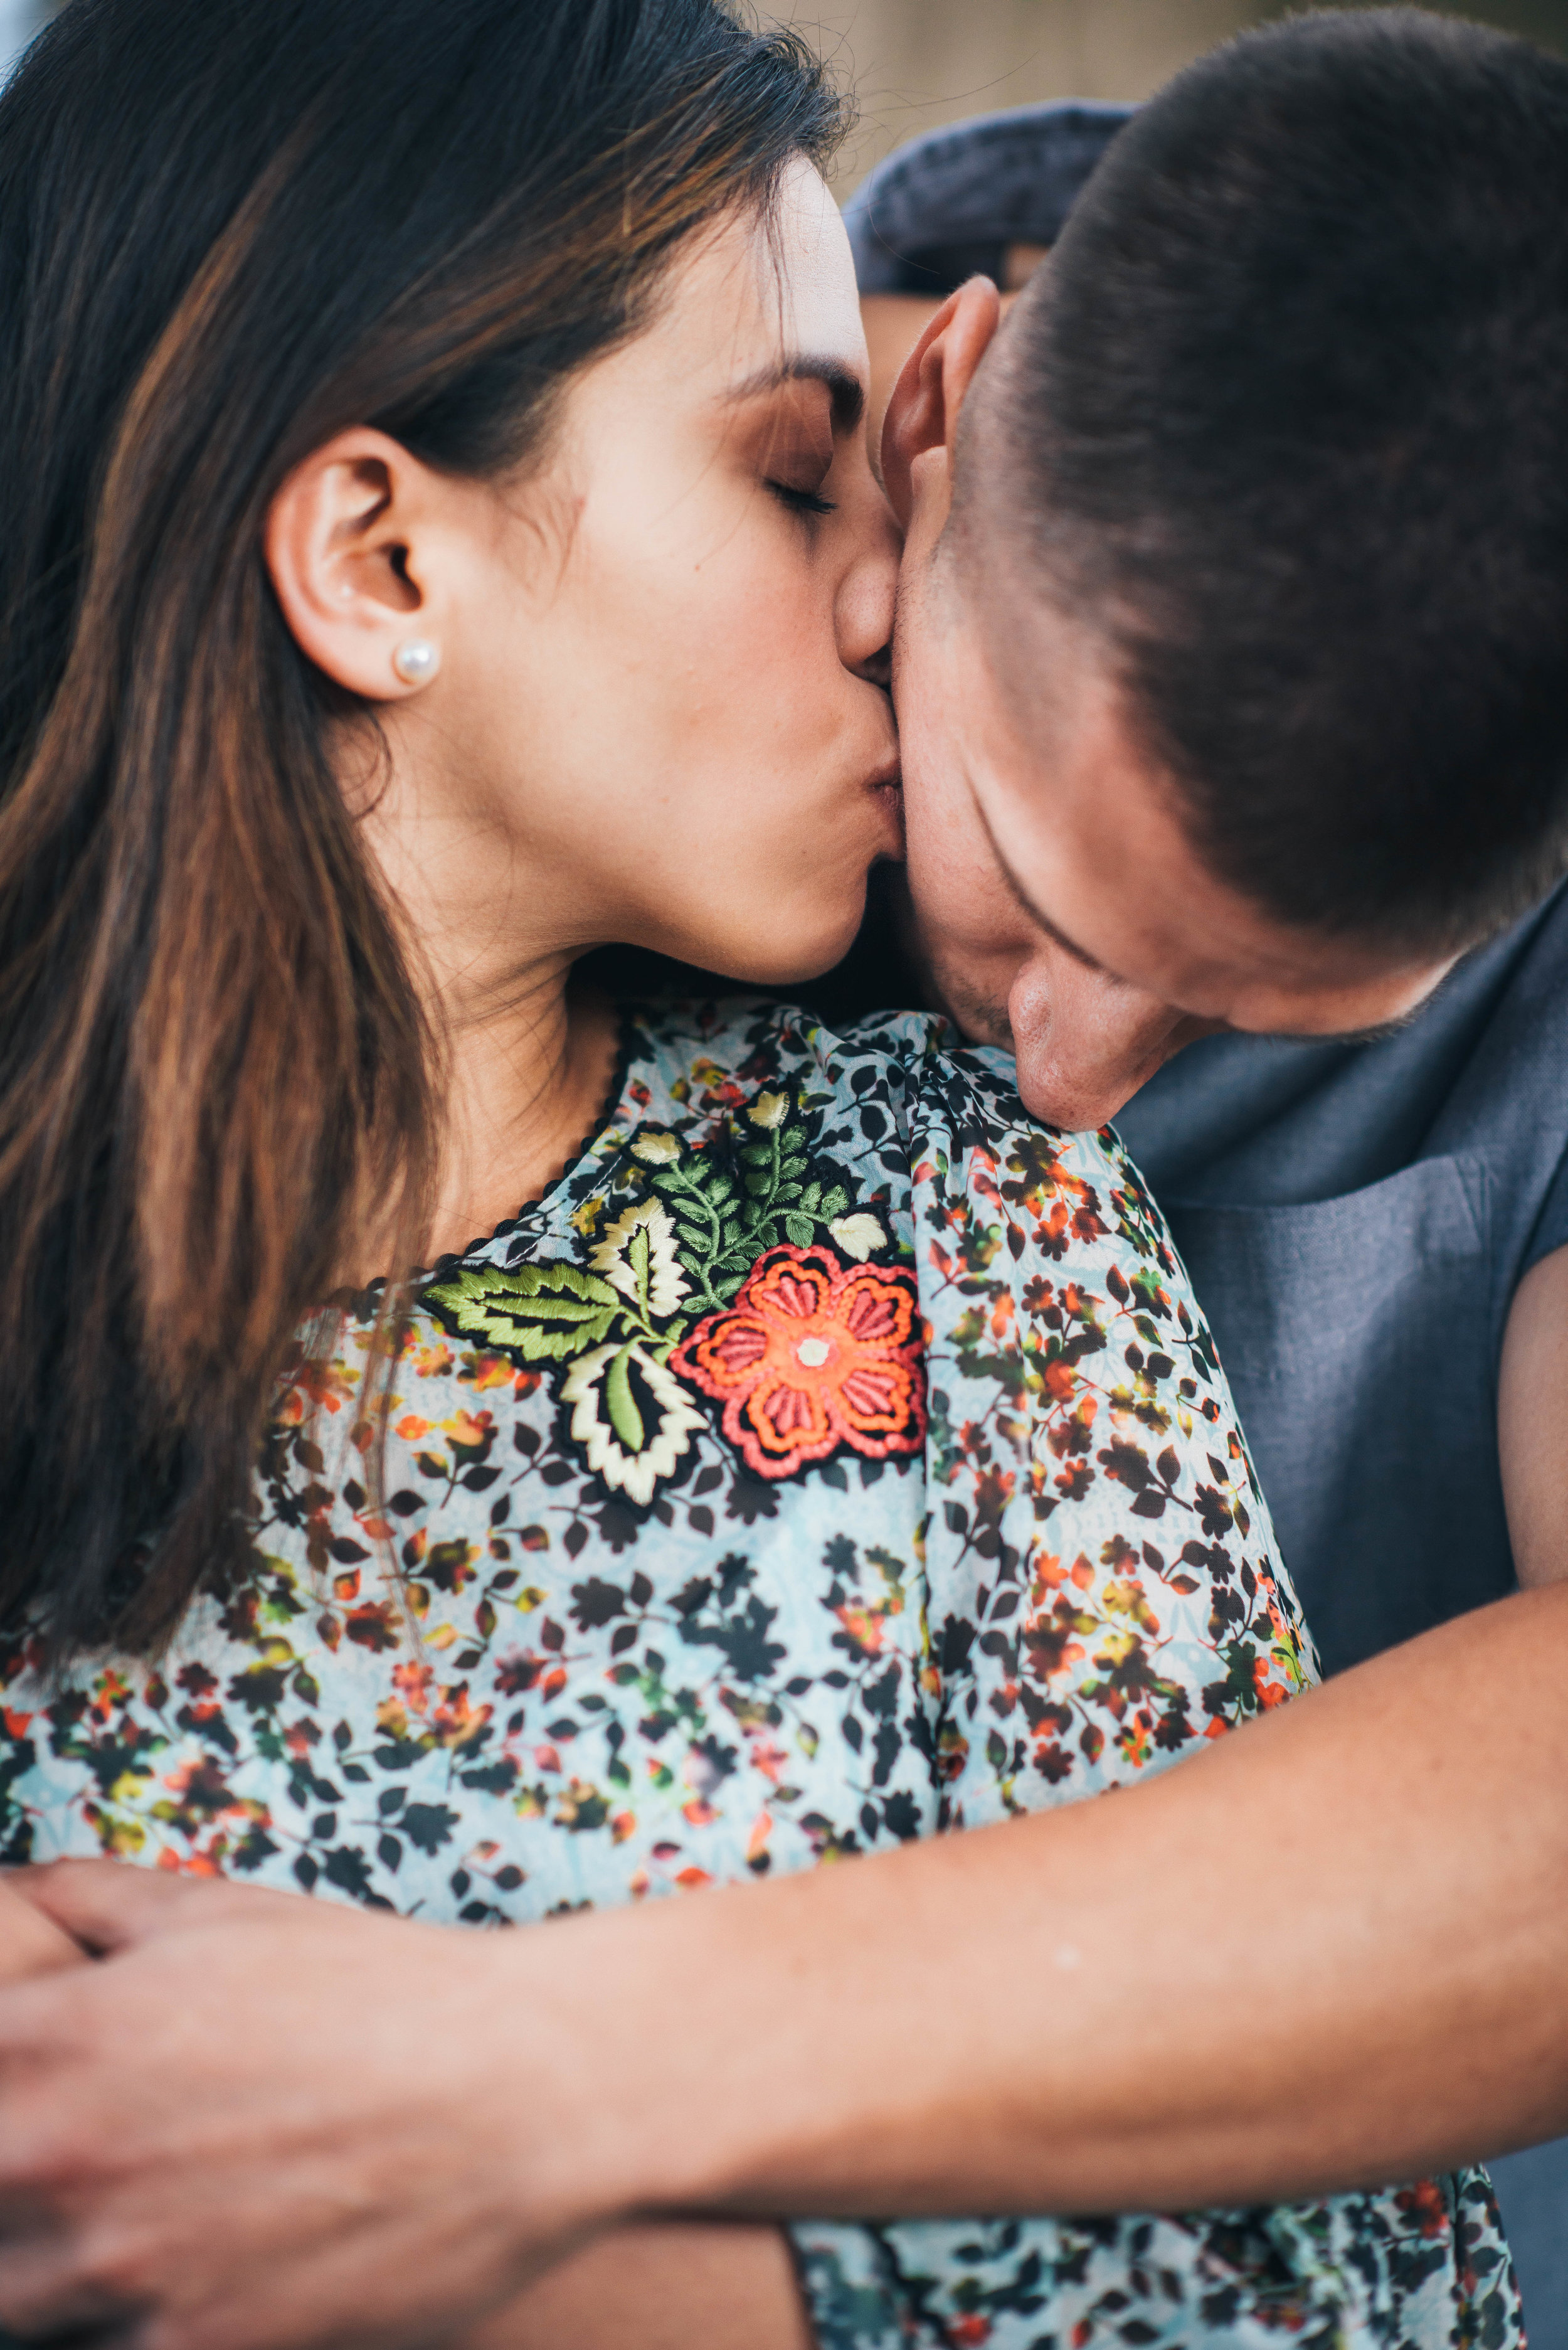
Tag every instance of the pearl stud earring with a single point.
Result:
(416, 661)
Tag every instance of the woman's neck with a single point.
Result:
(527, 1079)
(492, 933)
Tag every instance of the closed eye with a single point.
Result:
(806, 501)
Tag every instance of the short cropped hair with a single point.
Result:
(1286, 416)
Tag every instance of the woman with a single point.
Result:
(442, 542)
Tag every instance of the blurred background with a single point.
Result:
(19, 20)
(916, 63)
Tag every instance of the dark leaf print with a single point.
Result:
(578, 1692)
(429, 1826)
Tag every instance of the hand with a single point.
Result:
(30, 1943)
(265, 2120)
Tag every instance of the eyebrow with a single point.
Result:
(845, 391)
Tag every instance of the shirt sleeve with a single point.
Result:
(1106, 1589)
(1551, 1232)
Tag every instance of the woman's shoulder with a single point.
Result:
(702, 1053)
(899, 1087)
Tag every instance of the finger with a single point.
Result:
(110, 1905)
(101, 1904)
(30, 1943)
(42, 2298)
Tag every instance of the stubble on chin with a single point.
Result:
(981, 1018)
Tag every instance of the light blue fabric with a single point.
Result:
(834, 1457)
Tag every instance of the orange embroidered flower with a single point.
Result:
(812, 1355)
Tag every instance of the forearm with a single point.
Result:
(1328, 1952)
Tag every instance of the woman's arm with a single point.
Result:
(1328, 1951)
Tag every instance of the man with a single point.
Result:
(1359, 1218)
(1233, 668)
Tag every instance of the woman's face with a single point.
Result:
(660, 715)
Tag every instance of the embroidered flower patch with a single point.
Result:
(812, 1357)
(810, 1348)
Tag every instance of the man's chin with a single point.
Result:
(979, 1019)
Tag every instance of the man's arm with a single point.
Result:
(1533, 1422)
(1326, 1952)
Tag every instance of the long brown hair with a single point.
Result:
(228, 230)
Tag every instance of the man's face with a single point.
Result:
(1059, 907)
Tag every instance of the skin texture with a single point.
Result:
(1533, 1422)
(29, 1943)
(748, 2050)
(649, 614)
(662, 2285)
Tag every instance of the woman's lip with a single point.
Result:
(891, 794)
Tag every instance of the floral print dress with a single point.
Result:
(833, 1457)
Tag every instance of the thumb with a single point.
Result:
(111, 1905)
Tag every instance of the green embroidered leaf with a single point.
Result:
(624, 1416)
(835, 1204)
(800, 1230)
(811, 1199)
(637, 1257)
(542, 1312)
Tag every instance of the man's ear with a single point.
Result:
(923, 412)
(352, 545)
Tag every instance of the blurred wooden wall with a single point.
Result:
(916, 63)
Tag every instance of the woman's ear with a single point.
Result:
(351, 545)
(923, 412)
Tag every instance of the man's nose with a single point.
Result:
(1085, 1042)
(863, 607)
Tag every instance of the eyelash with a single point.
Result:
(802, 502)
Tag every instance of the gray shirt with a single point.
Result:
(1357, 1220)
